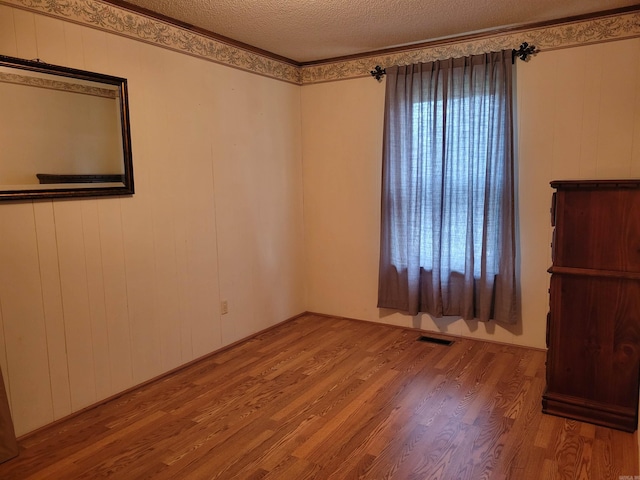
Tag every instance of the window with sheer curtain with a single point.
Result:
(448, 216)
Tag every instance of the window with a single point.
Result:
(447, 240)
(461, 182)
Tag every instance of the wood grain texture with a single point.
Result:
(321, 397)
(593, 364)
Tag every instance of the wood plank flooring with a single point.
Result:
(327, 398)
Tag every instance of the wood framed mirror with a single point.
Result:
(65, 132)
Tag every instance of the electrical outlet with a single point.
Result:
(224, 307)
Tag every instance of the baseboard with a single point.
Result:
(430, 332)
(589, 411)
(158, 378)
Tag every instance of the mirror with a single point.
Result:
(65, 132)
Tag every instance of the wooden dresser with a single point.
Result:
(593, 327)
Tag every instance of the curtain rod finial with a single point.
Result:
(525, 52)
(378, 73)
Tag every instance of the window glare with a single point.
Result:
(465, 186)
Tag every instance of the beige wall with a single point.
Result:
(578, 117)
(98, 295)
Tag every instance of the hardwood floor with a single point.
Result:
(324, 398)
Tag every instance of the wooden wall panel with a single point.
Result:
(239, 204)
(169, 205)
(95, 294)
(199, 209)
(535, 164)
(75, 302)
(137, 222)
(592, 77)
(50, 40)
(165, 176)
(616, 119)
(115, 293)
(140, 268)
(74, 46)
(53, 311)
(569, 99)
(255, 195)
(7, 31)
(118, 290)
(23, 318)
(95, 51)
(25, 28)
(339, 161)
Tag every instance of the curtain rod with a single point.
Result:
(524, 53)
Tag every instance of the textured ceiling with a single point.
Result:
(310, 30)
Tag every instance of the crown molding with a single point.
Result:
(139, 26)
(117, 17)
(201, 31)
(570, 33)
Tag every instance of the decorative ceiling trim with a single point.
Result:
(114, 19)
(571, 34)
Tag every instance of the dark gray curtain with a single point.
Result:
(448, 220)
